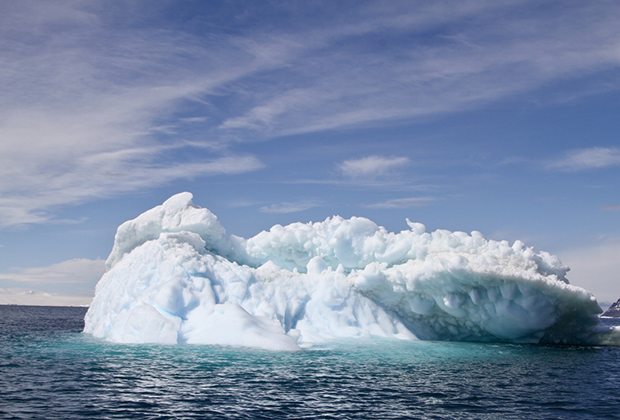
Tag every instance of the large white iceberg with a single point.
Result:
(174, 276)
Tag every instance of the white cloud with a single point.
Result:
(289, 207)
(595, 268)
(103, 175)
(402, 203)
(611, 208)
(76, 271)
(583, 159)
(69, 282)
(504, 53)
(194, 119)
(371, 166)
(86, 107)
(91, 97)
(242, 203)
(17, 296)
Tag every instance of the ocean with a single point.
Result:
(49, 369)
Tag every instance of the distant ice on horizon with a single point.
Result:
(174, 276)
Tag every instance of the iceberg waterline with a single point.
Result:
(174, 276)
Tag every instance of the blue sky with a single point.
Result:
(501, 117)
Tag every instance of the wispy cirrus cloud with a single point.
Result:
(78, 270)
(584, 159)
(506, 52)
(104, 176)
(240, 203)
(86, 80)
(406, 202)
(371, 166)
(80, 122)
(290, 207)
(611, 208)
(75, 276)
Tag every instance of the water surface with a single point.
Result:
(49, 369)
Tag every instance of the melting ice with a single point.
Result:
(174, 276)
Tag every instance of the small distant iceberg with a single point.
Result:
(613, 311)
(175, 277)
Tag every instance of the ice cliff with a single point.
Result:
(174, 276)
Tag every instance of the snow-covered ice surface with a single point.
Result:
(174, 276)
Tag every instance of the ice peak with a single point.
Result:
(179, 201)
(176, 214)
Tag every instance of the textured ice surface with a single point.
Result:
(174, 276)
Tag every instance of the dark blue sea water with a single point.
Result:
(48, 369)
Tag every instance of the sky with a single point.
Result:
(500, 117)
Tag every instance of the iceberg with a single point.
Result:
(613, 311)
(174, 276)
